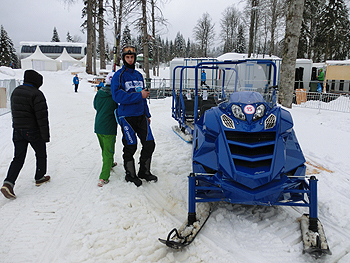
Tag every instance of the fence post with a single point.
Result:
(319, 103)
(3, 98)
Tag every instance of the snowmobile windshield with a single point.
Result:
(249, 77)
(246, 97)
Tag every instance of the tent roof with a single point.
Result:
(38, 55)
(83, 59)
(66, 57)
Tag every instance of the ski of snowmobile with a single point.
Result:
(183, 237)
(184, 136)
(315, 242)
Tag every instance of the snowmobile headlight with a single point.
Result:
(259, 112)
(237, 112)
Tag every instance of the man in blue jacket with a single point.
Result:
(128, 90)
(76, 82)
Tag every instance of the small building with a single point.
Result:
(53, 49)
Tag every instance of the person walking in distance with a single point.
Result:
(129, 91)
(203, 78)
(76, 82)
(30, 126)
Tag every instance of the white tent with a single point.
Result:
(65, 60)
(83, 61)
(38, 61)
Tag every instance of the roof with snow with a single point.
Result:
(36, 43)
(237, 56)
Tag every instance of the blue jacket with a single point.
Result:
(76, 80)
(203, 76)
(126, 89)
(100, 85)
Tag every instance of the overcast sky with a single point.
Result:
(34, 20)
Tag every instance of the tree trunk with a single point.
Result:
(101, 36)
(89, 41)
(273, 26)
(155, 49)
(145, 39)
(287, 75)
(252, 27)
(94, 40)
(119, 28)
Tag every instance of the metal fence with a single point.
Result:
(161, 88)
(322, 101)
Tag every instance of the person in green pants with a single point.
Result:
(106, 128)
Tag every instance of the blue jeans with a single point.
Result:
(21, 138)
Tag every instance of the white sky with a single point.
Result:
(34, 20)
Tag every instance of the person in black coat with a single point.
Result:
(30, 126)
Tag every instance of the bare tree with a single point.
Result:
(204, 33)
(287, 74)
(276, 9)
(229, 28)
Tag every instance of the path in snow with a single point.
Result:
(70, 219)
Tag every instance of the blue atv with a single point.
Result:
(245, 151)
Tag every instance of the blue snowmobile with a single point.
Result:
(245, 151)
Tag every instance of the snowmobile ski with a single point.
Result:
(315, 242)
(183, 237)
(183, 135)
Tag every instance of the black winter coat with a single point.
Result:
(29, 110)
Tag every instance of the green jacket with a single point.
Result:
(105, 122)
(321, 76)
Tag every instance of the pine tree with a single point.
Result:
(307, 47)
(55, 37)
(180, 45)
(188, 48)
(8, 55)
(241, 42)
(126, 37)
(333, 32)
(69, 38)
(171, 50)
(166, 51)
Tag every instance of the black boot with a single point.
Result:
(145, 171)
(131, 174)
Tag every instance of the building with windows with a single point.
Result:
(53, 49)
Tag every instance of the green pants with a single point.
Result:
(107, 144)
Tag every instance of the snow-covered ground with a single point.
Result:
(71, 219)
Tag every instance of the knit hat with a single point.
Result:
(33, 77)
(109, 77)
